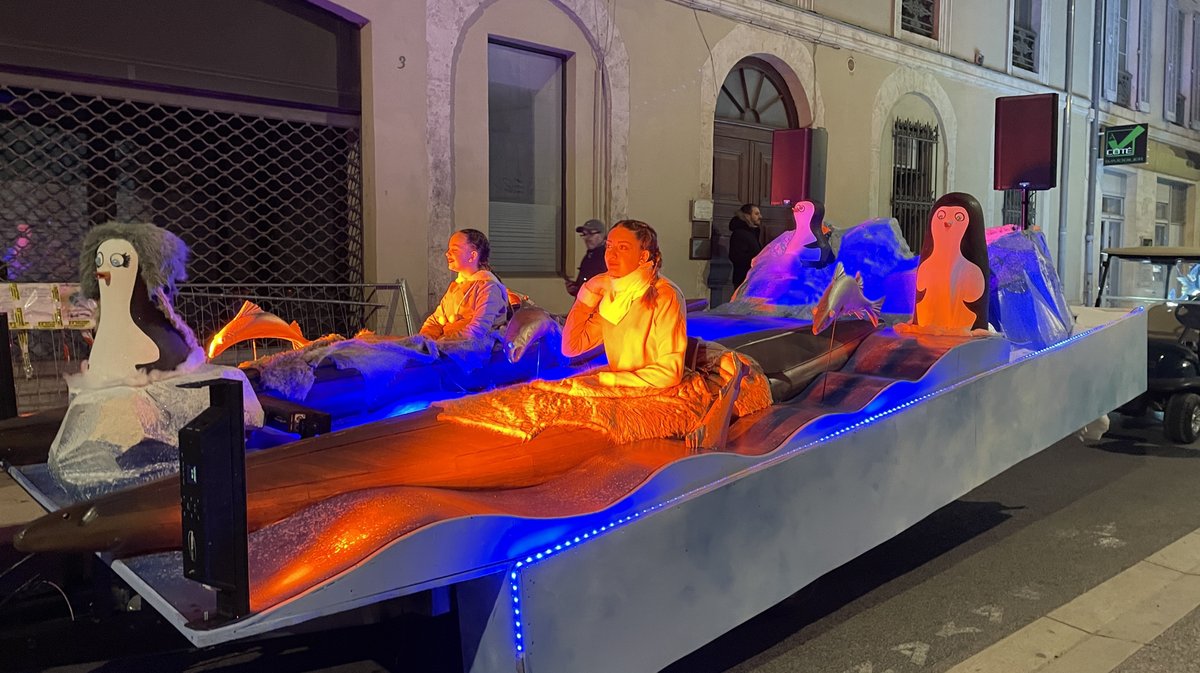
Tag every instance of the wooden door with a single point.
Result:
(741, 174)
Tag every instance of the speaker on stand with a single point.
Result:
(1026, 149)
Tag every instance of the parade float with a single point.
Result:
(565, 528)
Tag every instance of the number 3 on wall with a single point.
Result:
(400, 66)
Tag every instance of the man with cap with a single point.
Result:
(592, 233)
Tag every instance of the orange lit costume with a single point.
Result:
(645, 345)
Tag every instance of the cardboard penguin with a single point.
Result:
(128, 404)
(132, 270)
(952, 274)
(810, 243)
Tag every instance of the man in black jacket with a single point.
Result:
(592, 233)
(745, 240)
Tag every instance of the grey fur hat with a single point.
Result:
(162, 256)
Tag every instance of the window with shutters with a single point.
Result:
(1174, 70)
(1193, 81)
(526, 141)
(1170, 212)
(1127, 53)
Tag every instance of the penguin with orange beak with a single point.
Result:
(132, 269)
(952, 274)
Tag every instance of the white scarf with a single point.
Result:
(621, 294)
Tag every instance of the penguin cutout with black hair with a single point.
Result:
(952, 274)
(810, 243)
(132, 270)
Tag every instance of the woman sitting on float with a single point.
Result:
(474, 309)
(635, 312)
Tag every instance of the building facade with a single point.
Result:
(524, 118)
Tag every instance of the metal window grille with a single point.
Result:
(1024, 54)
(916, 16)
(1012, 207)
(258, 199)
(914, 177)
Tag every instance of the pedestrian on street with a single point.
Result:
(745, 240)
(592, 232)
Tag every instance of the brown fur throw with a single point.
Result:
(623, 414)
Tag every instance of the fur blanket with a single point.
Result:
(291, 374)
(622, 414)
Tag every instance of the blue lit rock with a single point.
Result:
(778, 284)
(1027, 303)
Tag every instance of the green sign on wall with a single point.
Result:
(1124, 144)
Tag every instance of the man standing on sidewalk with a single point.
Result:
(592, 232)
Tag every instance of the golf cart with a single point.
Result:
(1173, 330)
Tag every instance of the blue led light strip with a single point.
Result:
(515, 575)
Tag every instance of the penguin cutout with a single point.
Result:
(132, 269)
(952, 273)
(810, 243)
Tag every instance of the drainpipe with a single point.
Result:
(1089, 245)
(1065, 177)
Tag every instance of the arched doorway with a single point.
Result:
(754, 101)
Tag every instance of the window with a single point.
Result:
(1027, 15)
(1174, 89)
(1170, 212)
(1127, 53)
(526, 141)
(914, 177)
(917, 16)
(1194, 74)
(754, 93)
(1012, 207)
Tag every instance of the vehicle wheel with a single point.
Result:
(1181, 419)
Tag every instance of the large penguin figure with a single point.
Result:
(952, 274)
(810, 243)
(132, 270)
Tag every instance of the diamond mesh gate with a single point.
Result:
(257, 199)
(261, 200)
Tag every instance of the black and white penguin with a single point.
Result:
(952, 274)
(810, 243)
(138, 330)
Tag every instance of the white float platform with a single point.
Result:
(712, 540)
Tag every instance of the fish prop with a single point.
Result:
(526, 328)
(844, 297)
(251, 322)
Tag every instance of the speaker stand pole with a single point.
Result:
(1024, 206)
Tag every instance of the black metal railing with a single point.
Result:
(914, 177)
(916, 16)
(1024, 48)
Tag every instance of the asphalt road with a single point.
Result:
(1009, 552)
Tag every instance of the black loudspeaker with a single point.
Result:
(798, 159)
(1027, 142)
(212, 489)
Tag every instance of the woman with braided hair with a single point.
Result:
(635, 312)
